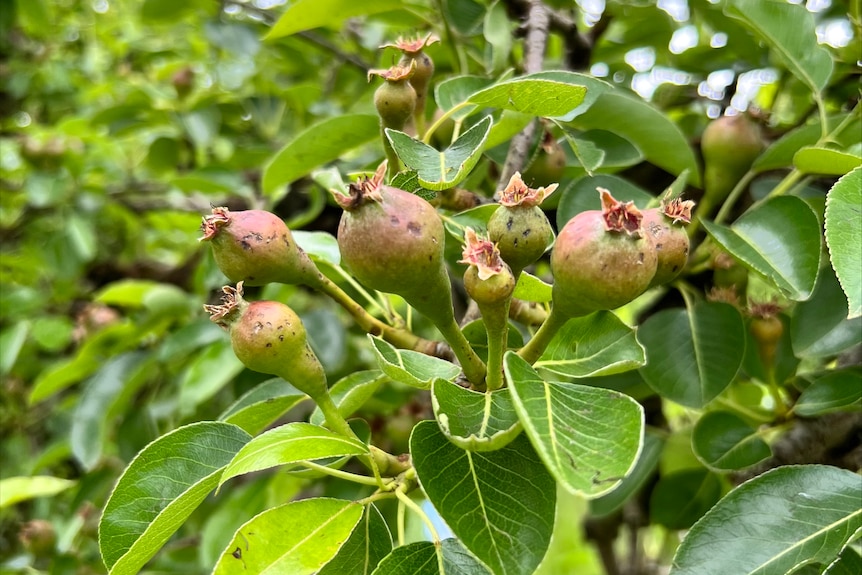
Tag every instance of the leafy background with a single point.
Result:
(124, 121)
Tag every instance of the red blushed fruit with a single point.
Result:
(602, 259)
(256, 247)
(268, 337)
(665, 228)
(392, 241)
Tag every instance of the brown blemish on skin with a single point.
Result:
(414, 228)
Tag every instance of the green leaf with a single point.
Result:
(411, 367)
(500, 504)
(820, 160)
(844, 236)
(472, 420)
(263, 405)
(789, 31)
(647, 128)
(723, 441)
(775, 523)
(321, 143)
(442, 170)
(594, 88)
(692, 356)
(421, 558)
(307, 14)
(454, 91)
(588, 437)
(11, 341)
(643, 470)
(321, 246)
(298, 538)
(682, 497)
(531, 288)
(597, 344)
(819, 327)
(834, 391)
(212, 369)
(582, 196)
(781, 152)
(16, 489)
(118, 378)
(529, 95)
(774, 239)
(369, 543)
(351, 392)
(849, 562)
(289, 444)
(160, 488)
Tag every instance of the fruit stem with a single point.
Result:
(391, 156)
(474, 368)
(361, 479)
(496, 320)
(398, 337)
(334, 420)
(536, 346)
(426, 138)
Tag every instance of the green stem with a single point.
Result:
(400, 522)
(409, 503)
(474, 368)
(334, 420)
(439, 122)
(391, 156)
(536, 346)
(496, 320)
(362, 479)
(370, 324)
(786, 184)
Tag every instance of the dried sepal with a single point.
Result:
(212, 223)
(517, 193)
(620, 216)
(764, 310)
(678, 210)
(482, 253)
(231, 302)
(363, 190)
(412, 46)
(396, 73)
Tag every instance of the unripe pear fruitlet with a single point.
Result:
(519, 227)
(414, 57)
(256, 247)
(729, 145)
(268, 337)
(665, 226)
(602, 259)
(395, 99)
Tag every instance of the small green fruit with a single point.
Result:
(729, 145)
(395, 99)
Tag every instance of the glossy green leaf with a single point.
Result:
(11, 341)
(723, 441)
(775, 523)
(781, 152)
(834, 391)
(593, 345)
(119, 378)
(582, 195)
(844, 236)
(820, 160)
(774, 240)
(616, 152)
(298, 538)
(682, 497)
(212, 369)
(307, 14)
(531, 288)
(442, 170)
(789, 30)
(160, 488)
(692, 356)
(472, 420)
(594, 88)
(589, 156)
(289, 444)
(454, 91)
(588, 437)
(351, 392)
(411, 367)
(369, 543)
(261, 406)
(321, 143)
(423, 558)
(500, 504)
(819, 327)
(849, 562)
(320, 246)
(497, 30)
(16, 489)
(652, 132)
(644, 467)
(529, 95)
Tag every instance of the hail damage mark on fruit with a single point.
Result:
(414, 228)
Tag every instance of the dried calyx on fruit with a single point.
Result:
(665, 226)
(519, 227)
(489, 281)
(268, 337)
(256, 247)
(413, 55)
(393, 241)
(395, 101)
(601, 260)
